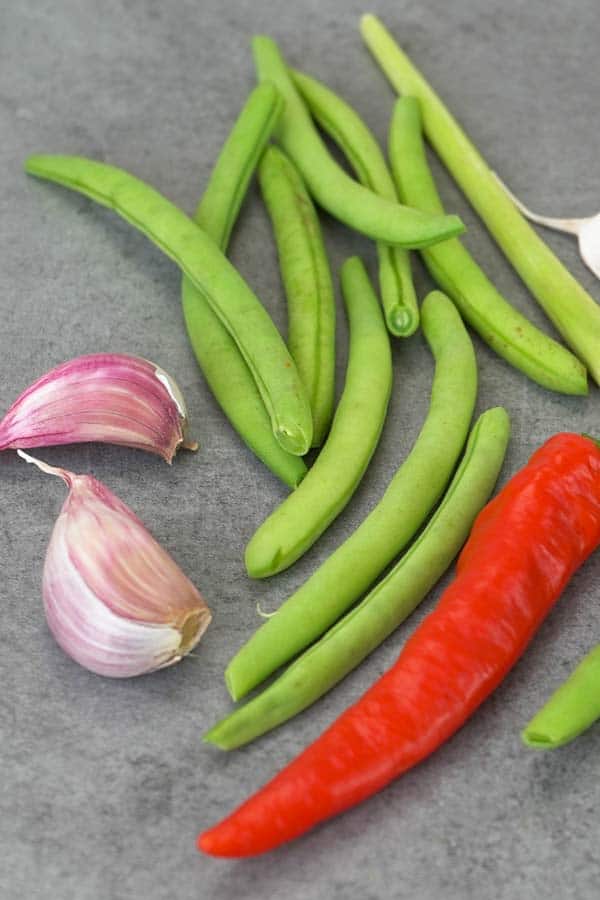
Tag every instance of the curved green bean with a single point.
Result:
(331, 187)
(224, 194)
(571, 710)
(200, 259)
(345, 645)
(224, 369)
(328, 486)
(574, 313)
(362, 151)
(500, 325)
(414, 490)
(307, 280)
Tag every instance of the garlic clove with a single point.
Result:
(115, 600)
(106, 397)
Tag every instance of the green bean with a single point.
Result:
(331, 187)
(201, 260)
(500, 325)
(307, 280)
(350, 133)
(355, 636)
(328, 486)
(571, 710)
(224, 369)
(574, 313)
(223, 196)
(414, 490)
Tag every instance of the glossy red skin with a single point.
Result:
(523, 548)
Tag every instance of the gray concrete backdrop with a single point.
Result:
(105, 783)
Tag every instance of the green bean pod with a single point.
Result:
(500, 325)
(574, 313)
(224, 369)
(355, 636)
(414, 490)
(328, 486)
(332, 188)
(307, 281)
(343, 124)
(227, 186)
(200, 259)
(571, 710)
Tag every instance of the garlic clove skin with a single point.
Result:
(108, 397)
(589, 243)
(586, 229)
(115, 600)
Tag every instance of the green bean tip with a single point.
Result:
(234, 693)
(295, 441)
(211, 737)
(401, 321)
(258, 563)
(537, 741)
(455, 224)
(30, 164)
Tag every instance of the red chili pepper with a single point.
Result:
(524, 546)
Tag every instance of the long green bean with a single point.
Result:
(225, 371)
(500, 325)
(303, 516)
(307, 280)
(410, 496)
(226, 189)
(327, 182)
(362, 151)
(345, 645)
(200, 259)
(574, 313)
(571, 709)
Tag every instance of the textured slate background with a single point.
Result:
(105, 784)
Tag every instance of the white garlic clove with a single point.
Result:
(115, 600)
(108, 397)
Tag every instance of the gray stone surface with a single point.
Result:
(105, 784)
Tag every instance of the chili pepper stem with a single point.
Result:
(590, 438)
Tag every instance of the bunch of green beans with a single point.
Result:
(200, 259)
(500, 325)
(307, 281)
(574, 313)
(345, 645)
(303, 516)
(347, 129)
(409, 498)
(327, 182)
(225, 371)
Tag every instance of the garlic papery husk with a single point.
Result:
(115, 601)
(587, 229)
(109, 397)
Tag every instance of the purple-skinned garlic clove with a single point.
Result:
(108, 397)
(115, 600)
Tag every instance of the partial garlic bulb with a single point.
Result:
(115, 601)
(107, 397)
